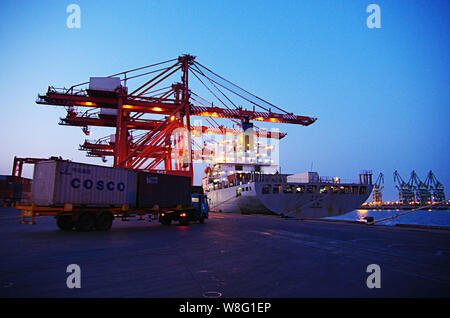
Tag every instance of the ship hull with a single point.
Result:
(249, 198)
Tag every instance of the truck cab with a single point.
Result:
(200, 203)
(198, 211)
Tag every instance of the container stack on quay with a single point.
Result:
(14, 190)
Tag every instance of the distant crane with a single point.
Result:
(405, 191)
(377, 195)
(421, 190)
(436, 188)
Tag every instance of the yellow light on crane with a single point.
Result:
(86, 103)
(157, 109)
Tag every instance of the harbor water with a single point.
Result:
(420, 217)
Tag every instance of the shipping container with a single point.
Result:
(107, 113)
(109, 84)
(304, 177)
(12, 188)
(163, 190)
(58, 182)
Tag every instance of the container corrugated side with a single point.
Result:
(43, 185)
(166, 191)
(83, 184)
(304, 177)
(109, 84)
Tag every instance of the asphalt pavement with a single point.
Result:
(231, 255)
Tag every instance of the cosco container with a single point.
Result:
(58, 182)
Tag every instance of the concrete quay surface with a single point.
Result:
(231, 255)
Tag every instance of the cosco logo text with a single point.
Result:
(99, 185)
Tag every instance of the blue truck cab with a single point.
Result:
(200, 204)
(197, 211)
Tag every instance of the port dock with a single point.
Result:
(237, 256)
(398, 206)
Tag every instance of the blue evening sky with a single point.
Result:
(381, 95)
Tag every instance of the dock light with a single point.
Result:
(157, 109)
(162, 214)
(86, 103)
(183, 215)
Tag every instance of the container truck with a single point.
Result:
(88, 197)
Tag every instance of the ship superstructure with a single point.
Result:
(248, 181)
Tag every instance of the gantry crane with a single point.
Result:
(436, 188)
(165, 140)
(421, 190)
(405, 191)
(377, 195)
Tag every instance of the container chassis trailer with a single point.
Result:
(86, 219)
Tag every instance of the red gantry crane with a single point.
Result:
(163, 140)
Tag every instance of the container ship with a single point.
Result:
(249, 182)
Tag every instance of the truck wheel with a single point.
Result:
(104, 221)
(201, 219)
(85, 222)
(65, 222)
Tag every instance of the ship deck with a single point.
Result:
(232, 254)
